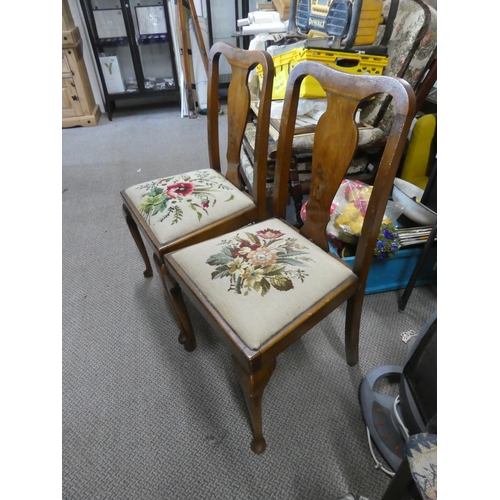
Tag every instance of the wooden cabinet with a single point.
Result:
(78, 104)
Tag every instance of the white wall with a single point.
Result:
(88, 55)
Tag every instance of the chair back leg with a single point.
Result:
(178, 306)
(352, 326)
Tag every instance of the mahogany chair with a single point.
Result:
(263, 286)
(176, 211)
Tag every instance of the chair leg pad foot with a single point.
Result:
(188, 346)
(352, 361)
(258, 446)
(147, 274)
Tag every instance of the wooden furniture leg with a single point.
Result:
(253, 385)
(174, 294)
(134, 231)
(199, 34)
(418, 268)
(352, 326)
(186, 60)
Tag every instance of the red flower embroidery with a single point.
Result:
(244, 249)
(180, 189)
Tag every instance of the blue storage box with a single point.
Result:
(394, 273)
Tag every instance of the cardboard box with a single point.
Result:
(112, 74)
(283, 7)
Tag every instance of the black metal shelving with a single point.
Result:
(136, 65)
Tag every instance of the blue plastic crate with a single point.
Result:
(394, 273)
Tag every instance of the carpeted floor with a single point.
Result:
(145, 420)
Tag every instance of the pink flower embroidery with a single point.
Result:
(269, 234)
(262, 257)
(180, 189)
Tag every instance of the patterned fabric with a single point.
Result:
(260, 278)
(247, 167)
(260, 260)
(303, 144)
(421, 450)
(407, 35)
(178, 205)
(367, 135)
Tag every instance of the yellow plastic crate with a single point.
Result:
(344, 61)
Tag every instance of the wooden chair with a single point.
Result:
(265, 285)
(412, 49)
(176, 211)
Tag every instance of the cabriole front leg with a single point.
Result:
(253, 385)
(134, 231)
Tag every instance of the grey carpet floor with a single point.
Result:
(145, 420)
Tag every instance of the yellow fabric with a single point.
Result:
(419, 150)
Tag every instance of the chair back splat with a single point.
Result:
(238, 109)
(264, 285)
(335, 143)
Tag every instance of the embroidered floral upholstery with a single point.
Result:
(411, 47)
(178, 205)
(303, 145)
(247, 167)
(261, 277)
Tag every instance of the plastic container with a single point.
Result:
(408, 194)
(334, 18)
(349, 62)
(394, 273)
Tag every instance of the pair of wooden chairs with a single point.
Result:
(259, 282)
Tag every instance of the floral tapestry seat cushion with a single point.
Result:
(178, 205)
(261, 277)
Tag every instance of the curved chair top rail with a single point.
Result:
(238, 108)
(335, 142)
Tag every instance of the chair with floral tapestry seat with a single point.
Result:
(263, 286)
(176, 211)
